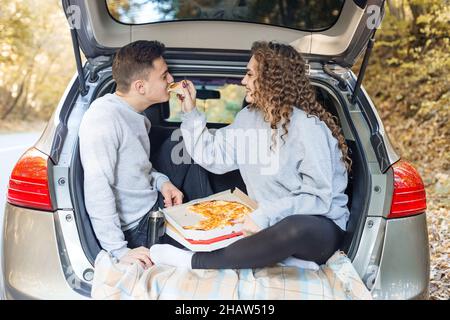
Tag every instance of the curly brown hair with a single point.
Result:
(281, 85)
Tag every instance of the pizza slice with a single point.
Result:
(175, 87)
(218, 214)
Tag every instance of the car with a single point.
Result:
(49, 247)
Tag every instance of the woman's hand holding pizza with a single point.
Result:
(249, 227)
(189, 95)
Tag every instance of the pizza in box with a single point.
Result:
(217, 214)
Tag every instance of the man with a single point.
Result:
(120, 183)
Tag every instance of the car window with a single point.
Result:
(217, 109)
(307, 15)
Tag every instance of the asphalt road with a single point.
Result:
(12, 146)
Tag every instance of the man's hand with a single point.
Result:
(172, 196)
(249, 227)
(189, 95)
(140, 256)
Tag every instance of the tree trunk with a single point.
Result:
(416, 10)
(16, 99)
(24, 110)
(34, 93)
(396, 10)
(23, 85)
(419, 38)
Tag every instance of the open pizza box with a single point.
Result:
(179, 217)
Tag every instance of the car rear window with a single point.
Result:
(306, 15)
(220, 100)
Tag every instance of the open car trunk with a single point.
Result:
(332, 30)
(161, 130)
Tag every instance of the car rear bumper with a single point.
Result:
(404, 269)
(33, 269)
(32, 266)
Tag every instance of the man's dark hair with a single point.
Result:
(134, 61)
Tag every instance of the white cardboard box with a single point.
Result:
(200, 240)
(201, 245)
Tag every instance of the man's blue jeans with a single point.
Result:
(191, 179)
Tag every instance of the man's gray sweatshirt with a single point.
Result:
(120, 184)
(304, 175)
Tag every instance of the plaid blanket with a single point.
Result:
(337, 279)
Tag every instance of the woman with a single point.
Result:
(302, 208)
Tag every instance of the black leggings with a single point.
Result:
(312, 238)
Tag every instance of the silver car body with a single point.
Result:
(43, 254)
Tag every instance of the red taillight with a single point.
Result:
(409, 192)
(28, 185)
